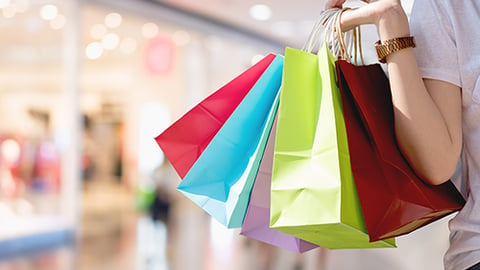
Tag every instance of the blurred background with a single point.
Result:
(85, 86)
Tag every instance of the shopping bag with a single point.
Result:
(256, 224)
(221, 179)
(313, 194)
(395, 201)
(184, 141)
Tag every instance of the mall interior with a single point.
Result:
(85, 86)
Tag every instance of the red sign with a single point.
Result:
(159, 55)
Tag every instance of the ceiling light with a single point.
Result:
(149, 30)
(261, 12)
(113, 20)
(94, 50)
(48, 12)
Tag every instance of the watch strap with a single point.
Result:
(387, 47)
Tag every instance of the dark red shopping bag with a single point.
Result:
(394, 200)
(184, 141)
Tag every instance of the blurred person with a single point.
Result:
(164, 188)
(47, 167)
(435, 90)
(46, 171)
(88, 151)
(160, 206)
(118, 160)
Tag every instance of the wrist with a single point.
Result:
(392, 23)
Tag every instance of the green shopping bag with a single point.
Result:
(313, 195)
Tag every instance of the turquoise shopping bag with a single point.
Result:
(221, 180)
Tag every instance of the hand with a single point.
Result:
(387, 15)
(338, 3)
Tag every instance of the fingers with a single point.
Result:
(387, 15)
(334, 4)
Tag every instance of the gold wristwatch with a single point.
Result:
(387, 47)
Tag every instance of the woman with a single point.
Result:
(436, 95)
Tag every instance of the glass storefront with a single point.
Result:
(32, 137)
(84, 89)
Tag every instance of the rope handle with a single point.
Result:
(322, 31)
(356, 43)
(328, 29)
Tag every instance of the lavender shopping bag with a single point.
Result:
(256, 224)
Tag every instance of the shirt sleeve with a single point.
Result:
(431, 24)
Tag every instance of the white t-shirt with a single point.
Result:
(448, 48)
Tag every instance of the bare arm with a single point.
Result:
(427, 112)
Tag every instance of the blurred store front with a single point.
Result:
(84, 88)
(36, 133)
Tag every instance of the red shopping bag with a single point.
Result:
(184, 141)
(394, 200)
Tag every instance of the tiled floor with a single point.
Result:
(115, 237)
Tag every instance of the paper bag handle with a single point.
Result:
(325, 30)
(356, 42)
